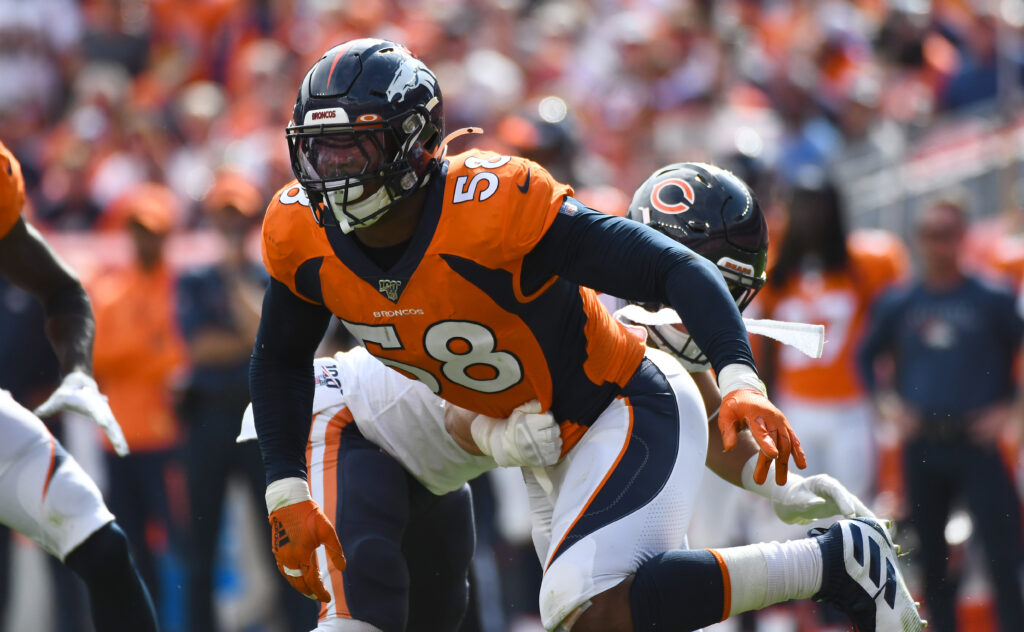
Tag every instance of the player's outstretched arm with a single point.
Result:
(633, 261)
(800, 500)
(29, 262)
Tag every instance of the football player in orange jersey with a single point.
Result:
(827, 275)
(470, 273)
(44, 493)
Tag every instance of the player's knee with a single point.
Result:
(561, 598)
(608, 611)
(377, 582)
(336, 624)
(107, 549)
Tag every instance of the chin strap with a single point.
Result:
(443, 148)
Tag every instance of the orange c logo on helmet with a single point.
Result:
(671, 208)
(368, 118)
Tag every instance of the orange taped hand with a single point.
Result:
(296, 531)
(750, 408)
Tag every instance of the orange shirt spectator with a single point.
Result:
(138, 347)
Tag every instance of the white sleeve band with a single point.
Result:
(737, 376)
(286, 491)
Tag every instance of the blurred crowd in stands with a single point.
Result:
(151, 134)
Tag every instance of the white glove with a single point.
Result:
(528, 438)
(79, 393)
(804, 500)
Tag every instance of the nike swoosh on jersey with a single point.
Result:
(525, 186)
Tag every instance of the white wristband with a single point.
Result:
(770, 489)
(286, 491)
(481, 428)
(747, 478)
(737, 376)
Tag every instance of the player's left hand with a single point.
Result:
(298, 527)
(79, 393)
(804, 500)
(749, 407)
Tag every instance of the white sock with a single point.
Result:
(770, 572)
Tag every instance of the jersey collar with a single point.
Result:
(397, 278)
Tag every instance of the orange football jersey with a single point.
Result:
(12, 190)
(451, 312)
(839, 300)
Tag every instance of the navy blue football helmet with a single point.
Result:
(366, 131)
(715, 214)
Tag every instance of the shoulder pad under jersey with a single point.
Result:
(498, 206)
(291, 236)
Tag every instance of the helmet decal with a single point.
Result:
(407, 77)
(326, 116)
(672, 207)
(736, 266)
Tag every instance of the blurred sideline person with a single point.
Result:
(218, 312)
(953, 339)
(481, 292)
(358, 400)
(44, 493)
(138, 352)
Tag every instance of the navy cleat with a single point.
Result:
(861, 577)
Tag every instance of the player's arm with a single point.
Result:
(281, 387)
(281, 379)
(29, 262)
(799, 500)
(632, 261)
(528, 437)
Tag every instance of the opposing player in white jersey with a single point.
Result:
(408, 536)
(44, 494)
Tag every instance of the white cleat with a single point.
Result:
(861, 577)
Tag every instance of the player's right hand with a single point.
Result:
(297, 529)
(78, 393)
(528, 438)
(804, 500)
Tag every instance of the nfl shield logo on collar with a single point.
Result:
(390, 288)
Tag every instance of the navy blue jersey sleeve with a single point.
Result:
(878, 337)
(626, 259)
(1008, 318)
(281, 379)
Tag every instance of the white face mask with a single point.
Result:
(363, 213)
(679, 344)
(357, 214)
